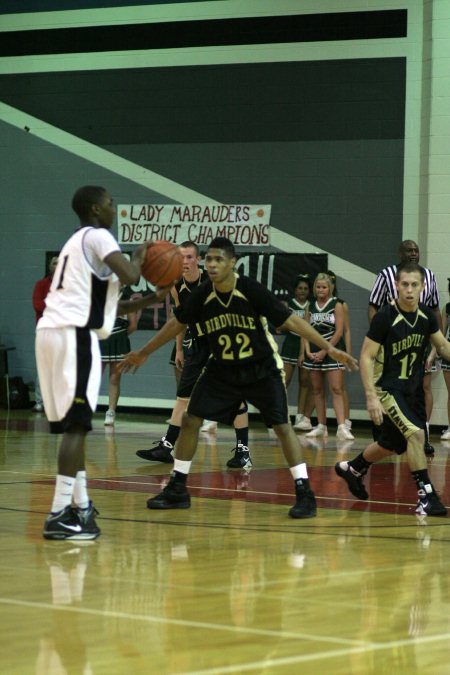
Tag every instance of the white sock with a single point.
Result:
(182, 466)
(299, 471)
(63, 492)
(80, 494)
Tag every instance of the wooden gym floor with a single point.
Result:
(232, 585)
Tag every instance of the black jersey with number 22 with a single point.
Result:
(235, 323)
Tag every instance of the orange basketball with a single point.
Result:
(163, 263)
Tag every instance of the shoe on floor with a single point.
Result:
(353, 480)
(162, 453)
(429, 504)
(66, 524)
(87, 519)
(38, 408)
(344, 434)
(209, 425)
(305, 504)
(241, 459)
(446, 435)
(110, 418)
(303, 424)
(174, 496)
(319, 430)
(428, 449)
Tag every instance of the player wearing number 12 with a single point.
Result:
(391, 362)
(244, 365)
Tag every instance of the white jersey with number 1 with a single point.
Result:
(84, 291)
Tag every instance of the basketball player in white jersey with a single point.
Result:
(81, 307)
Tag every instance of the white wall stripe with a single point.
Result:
(164, 186)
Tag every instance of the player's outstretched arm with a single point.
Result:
(135, 304)
(304, 329)
(135, 359)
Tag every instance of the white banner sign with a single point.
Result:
(243, 224)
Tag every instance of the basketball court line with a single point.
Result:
(319, 656)
(353, 647)
(227, 491)
(179, 622)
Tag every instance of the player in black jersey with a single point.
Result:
(192, 353)
(392, 373)
(385, 290)
(232, 312)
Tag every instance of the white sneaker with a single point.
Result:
(319, 430)
(446, 435)
(344, 433)
(304, 424)
(110, 418)
(298, 419)
(348, 424)
(208, 425)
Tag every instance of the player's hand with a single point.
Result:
(349, 362)
(375, 409)
(131, 361)
(139, 253)
(162, 291)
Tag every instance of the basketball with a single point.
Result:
(163, 263)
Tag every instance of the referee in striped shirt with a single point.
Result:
(384, 291)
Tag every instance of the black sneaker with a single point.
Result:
(162, 452)
(305, 505)
(429, 504)
(66, 525)
(353, 480)
(428, 449)
(241, 459)
(174, 496)
(87, 519)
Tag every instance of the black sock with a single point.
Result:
(422, 480)
(360, 465)
(242, 436)
(172, 434)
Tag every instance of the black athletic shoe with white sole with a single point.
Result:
(87, 519)
(174, 496)
(353, 479)
(429, 504)
(66, 524)
(162, 452)
(305, 505)
(241, 459)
